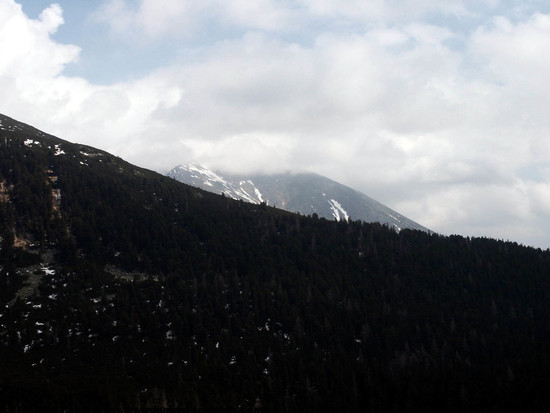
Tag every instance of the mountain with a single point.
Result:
(305, 193)
(122, 289)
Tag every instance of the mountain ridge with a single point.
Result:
(305, 193)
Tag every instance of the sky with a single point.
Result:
(438, 109)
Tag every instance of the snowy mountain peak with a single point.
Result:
(198, 172)
(302, 193)
(201, 177)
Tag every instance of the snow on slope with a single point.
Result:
(302, 193)
(336, 209)
(208, 180)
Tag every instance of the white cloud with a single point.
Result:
(516, 57)
(151, 17)
(32, 63)
(392, 11)
(51, 18)
(516, 54)
(27, 50)
(264, 14)
(36, 91)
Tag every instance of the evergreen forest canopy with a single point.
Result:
(121, 288)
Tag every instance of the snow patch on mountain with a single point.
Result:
(58, 150)
(259, 194)
(31, 142)
(337, 209)
(396, 226)
(207, 175)
(205, 178)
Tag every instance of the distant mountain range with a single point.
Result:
(305, 193)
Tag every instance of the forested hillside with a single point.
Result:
(121, 288)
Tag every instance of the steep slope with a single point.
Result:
(305, 193)
(123, 289)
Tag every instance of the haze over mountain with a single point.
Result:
(306, 193)
(123, 289)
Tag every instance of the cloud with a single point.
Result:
(36, 91)
(32, 63)
(151, 18)
(157, 18)
(27, 50)
(518, 54)
(515, 57)
(392, 11)
(342, 91)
